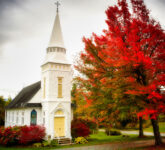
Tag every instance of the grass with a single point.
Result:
(94, 139)
(150, 128)
(161, 128)
(101, 138)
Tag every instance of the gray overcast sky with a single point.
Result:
(25, 28)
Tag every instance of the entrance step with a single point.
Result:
(64, 141)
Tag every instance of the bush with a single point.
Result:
(21, 135)
(37, 144)
(78, 128)
(30, 134)
(9, 135)
(46, 144)
(80, 140)
(91, 124)
(54, 143)
(112, 132)
(1, 132)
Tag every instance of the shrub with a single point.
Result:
(79, 128)
(30, 134)
(54, 143)
(80, 140)
(1, 131)
(46, 144)
(112, 132)
(91, 124)
(22, 135)
(9, 135)
(37, 144)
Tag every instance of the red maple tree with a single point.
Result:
(131, 50)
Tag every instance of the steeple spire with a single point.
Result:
(58, 4)
(56, 39)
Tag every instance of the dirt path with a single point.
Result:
(115, 146)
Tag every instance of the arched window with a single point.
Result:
(33, 117)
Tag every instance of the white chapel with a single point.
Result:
(47, 102)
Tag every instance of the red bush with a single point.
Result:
(22, 135)
(79, 128)
(29, 134)
(9, 136)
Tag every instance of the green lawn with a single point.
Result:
(99, 138)
(161, 128)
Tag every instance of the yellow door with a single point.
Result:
(59, 126)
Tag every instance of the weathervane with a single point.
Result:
(58, 4)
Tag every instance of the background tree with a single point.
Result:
(3, 104)
(7, 101)
(2, 111)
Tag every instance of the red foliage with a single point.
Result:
(21, 134)
(133, 49)
(30, 134)
(79, 128)
(129, 60)
(9, 135)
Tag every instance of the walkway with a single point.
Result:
(137, 132)
(115, 146)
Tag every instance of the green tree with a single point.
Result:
(8, 101)
(2, 110)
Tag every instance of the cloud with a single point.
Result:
(156, 8)
(161, 1)
(6, 5)
(6, 25)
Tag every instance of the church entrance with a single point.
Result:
(59, 126)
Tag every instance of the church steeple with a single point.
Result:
(56, 52)
(56, 39)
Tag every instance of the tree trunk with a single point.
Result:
(97, 126)
(158, 139)
(141, 127)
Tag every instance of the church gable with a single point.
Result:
(36, 98)
(24, 96)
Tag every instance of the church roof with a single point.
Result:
(24, 96)
(56, 39)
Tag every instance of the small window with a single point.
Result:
(60, 87)
(9, 116)
(13, 117)
(33, 117)
(6, 116)
(17, 118)
(22, 120)
(44, 88)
